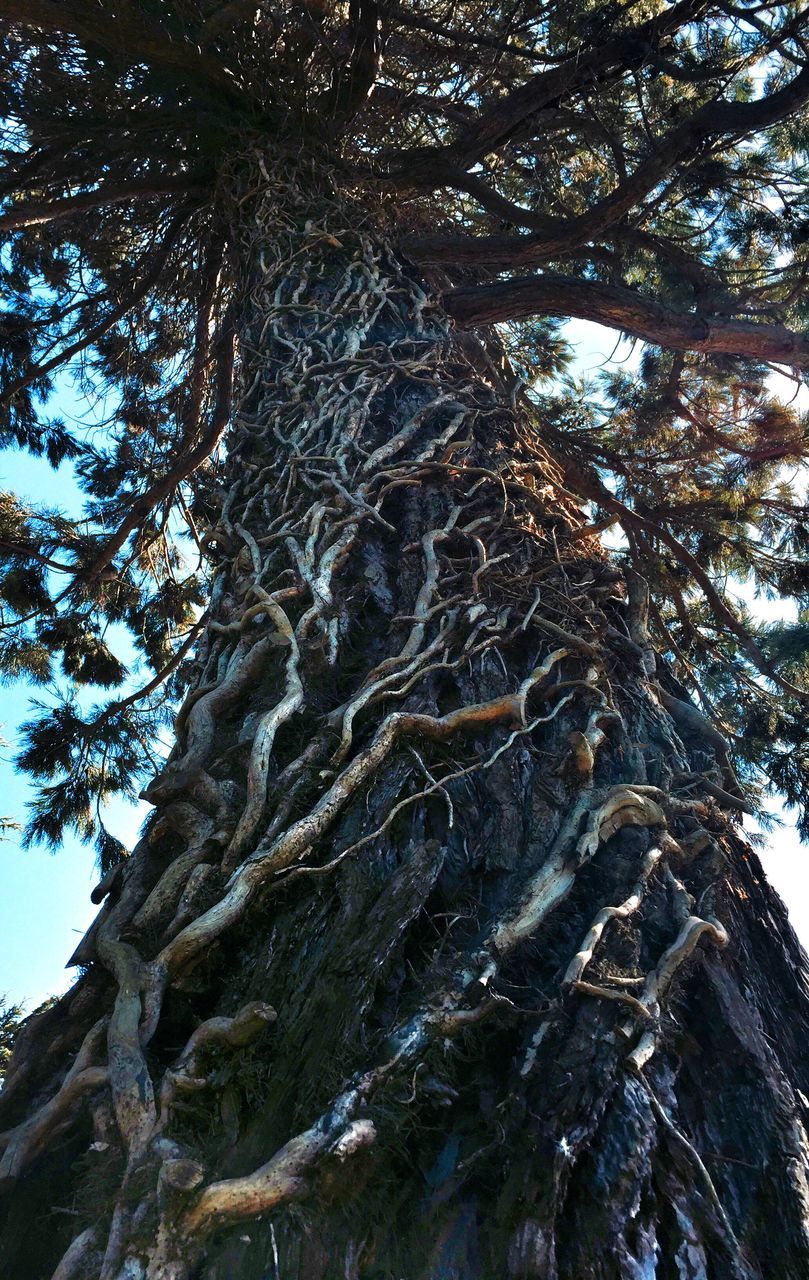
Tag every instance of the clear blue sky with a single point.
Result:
(45, 898)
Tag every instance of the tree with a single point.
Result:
(10, 1015)
(443, 952)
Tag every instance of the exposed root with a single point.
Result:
(436, 786)
(23, 1144)
(293, 844)
(82, 1254)
(659, 980)
(608, 993)
(621, 806)
(236, 1032)
(591, 939)
(261, 751)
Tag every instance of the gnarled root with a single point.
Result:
(236, 1032)
(28, 1140)
(659, 980)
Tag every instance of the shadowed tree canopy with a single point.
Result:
(310, 264)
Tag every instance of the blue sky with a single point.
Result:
(45, 898)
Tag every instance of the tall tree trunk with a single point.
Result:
(442, 954)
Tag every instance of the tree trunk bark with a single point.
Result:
(442, 954)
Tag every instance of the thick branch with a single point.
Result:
(621, 308)
(37, 212)
(558, 236)
(353, 81)
(496, 124)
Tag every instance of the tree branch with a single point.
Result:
(352, 82)
(187, 462)
(621, 308)
(130, 37)
(403, 102)
(559, 239)
(90, 336)
(495, 125)
(162, 675)
(37, 212)
(556, 236)
(225, 18)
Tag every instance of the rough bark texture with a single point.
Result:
(442, 955)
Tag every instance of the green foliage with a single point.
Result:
(701, 450)
(787, 643)
(85, 657)
(82, 761)
(10, 1019)
(24, 659)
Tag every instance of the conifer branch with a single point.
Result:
(496, 124)
(187, 462)
(621, 308)
(156, 266)
(353, 80)
(38, 212)
(124, 32)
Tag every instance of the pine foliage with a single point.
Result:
(10, 1018)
